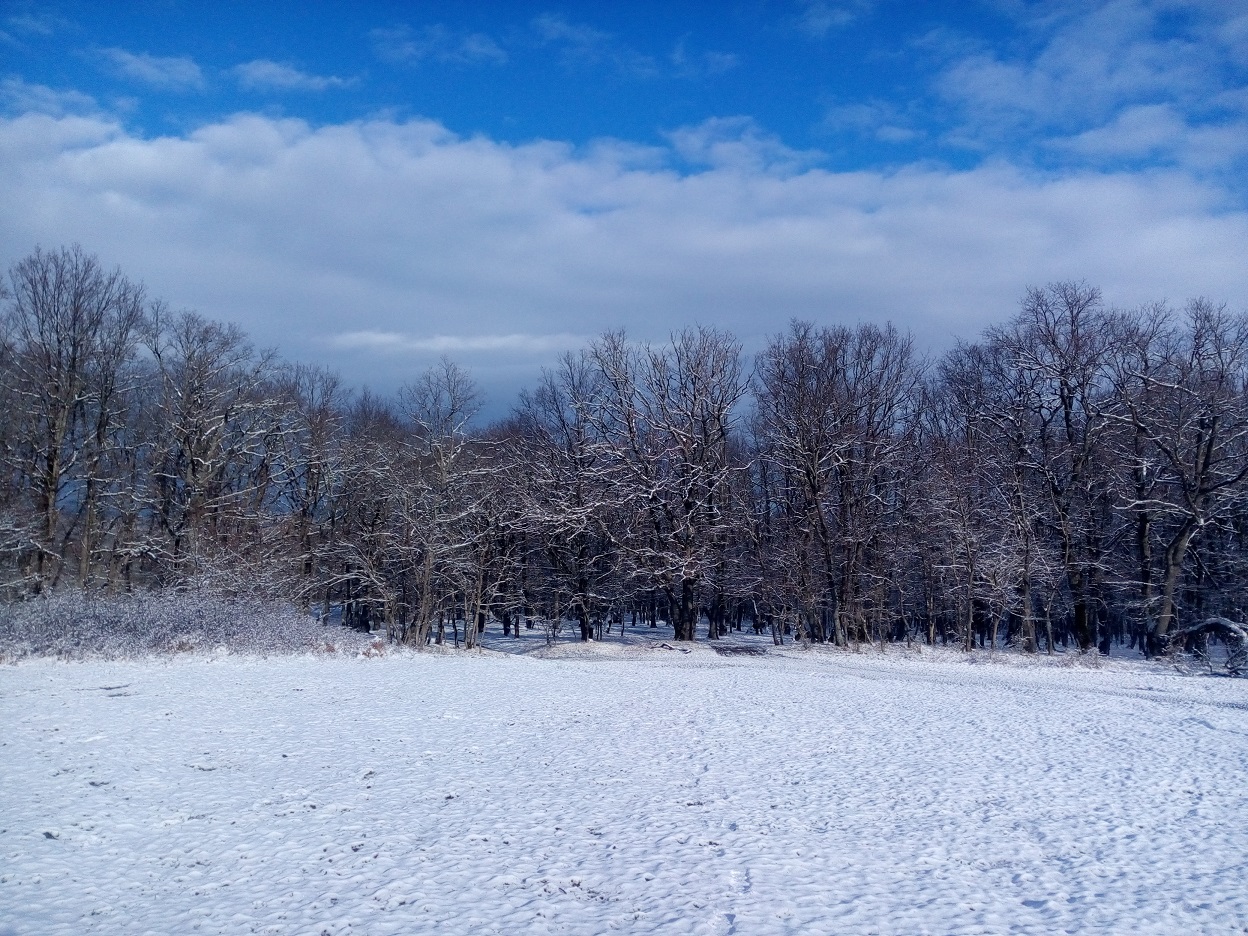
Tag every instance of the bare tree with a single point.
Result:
(214, 448)
(1183, 392)
(364, 551)
(667, 415)
(563, 468)
(1059, 348)
(837, 409)
(962, 489)
(439, 407)
(70, 330)
(1076, 469)
(312, 402)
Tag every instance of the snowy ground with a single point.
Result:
(587, 790)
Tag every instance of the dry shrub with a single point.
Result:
(81, 625)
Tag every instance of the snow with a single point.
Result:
(609, 787)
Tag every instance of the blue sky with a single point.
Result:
(370, 185)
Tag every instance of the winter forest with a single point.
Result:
(1076, 477)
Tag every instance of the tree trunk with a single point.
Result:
(1175, 553)
(687, 611)
(1029, 622)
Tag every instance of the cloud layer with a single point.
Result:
(374, 246)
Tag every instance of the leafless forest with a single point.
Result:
(1075, 478)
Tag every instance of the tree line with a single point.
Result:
(1077, 476)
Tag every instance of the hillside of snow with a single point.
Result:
(608, 788)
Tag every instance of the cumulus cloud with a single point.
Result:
(373, 247)
(170, 73)
(263, 74)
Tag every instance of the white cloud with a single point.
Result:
(738, 143)
(1158, 132)
(375, 246)
(698, 64)
(877, 119)
(1136, 132)
(40, 24)
(1085, 65)
(262, 74)
(555, 28)
(17, 96)
(402, 44)
(819, 18)
(478, 47)
(173, 73)
(1234, 35)
(582, 44)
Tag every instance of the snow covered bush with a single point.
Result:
(80, 625)
(1198, 638)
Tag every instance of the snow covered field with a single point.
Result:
(623, 789)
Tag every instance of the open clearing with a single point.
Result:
(631, 789)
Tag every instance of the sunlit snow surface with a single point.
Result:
(639, 790)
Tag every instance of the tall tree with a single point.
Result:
(568, 508)
(214, 445)
(837, 408)
(668, 414)
(71, 328)
(1185, 394)
(1059, 347)
(439, 407)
